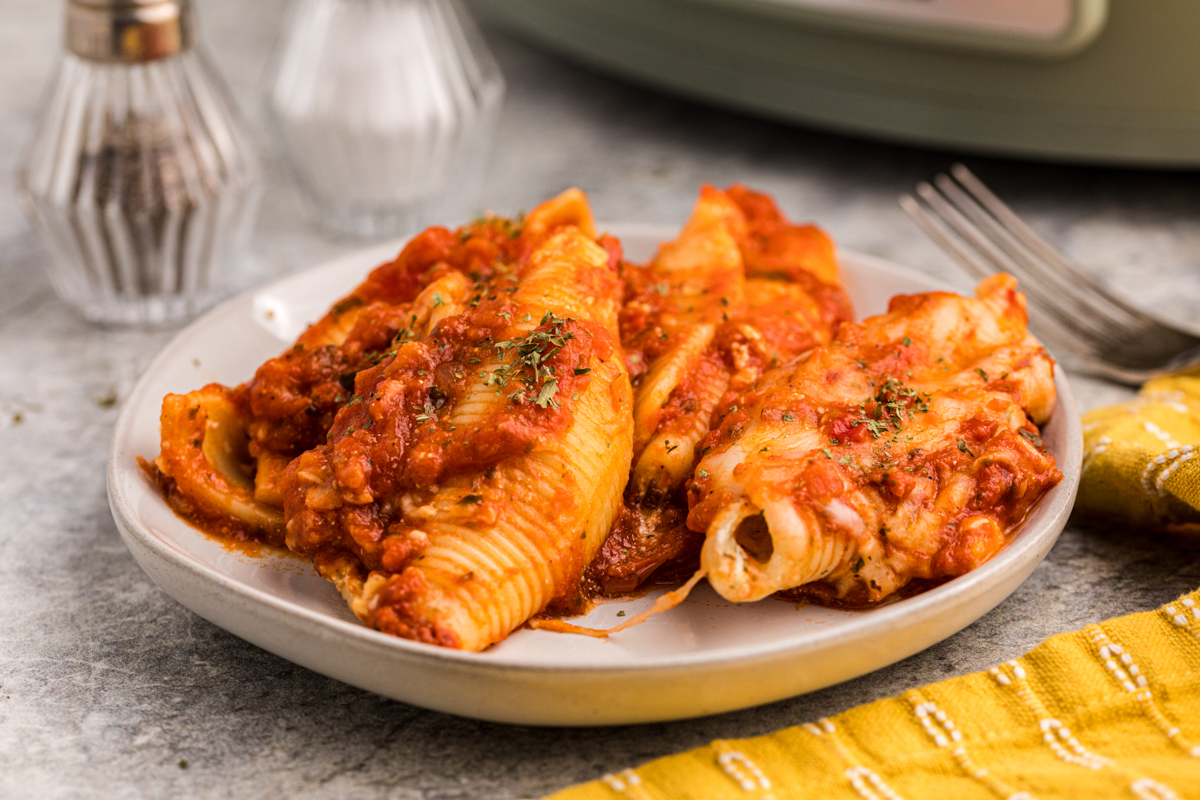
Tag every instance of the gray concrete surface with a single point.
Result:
(109, 688)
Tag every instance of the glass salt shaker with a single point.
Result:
(141, 179)
(384, 110)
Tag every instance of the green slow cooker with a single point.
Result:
(1102, 81)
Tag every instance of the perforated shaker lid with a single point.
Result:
(128, 31)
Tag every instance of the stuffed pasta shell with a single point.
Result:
(449, 443)
(476, 471)
(739, 290)
(907, 450)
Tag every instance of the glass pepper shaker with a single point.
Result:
(141, 179)
(384, 110)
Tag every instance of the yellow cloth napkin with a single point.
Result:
(1139, 458)
(1112, 710)
(1109, 711)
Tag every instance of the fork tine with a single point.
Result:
(1048, 300)
(1075, 287)
(1108, 336)
(1035, 242)
(1064, 337)
(1112, 324)
(938, 231)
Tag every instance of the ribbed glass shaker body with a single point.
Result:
(142, 181)
(385, 111)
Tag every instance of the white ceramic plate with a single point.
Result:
(704, 657)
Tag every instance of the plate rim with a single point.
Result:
(913, 611)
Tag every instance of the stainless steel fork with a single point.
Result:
(1070, 309)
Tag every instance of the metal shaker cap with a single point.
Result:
(128, 31)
